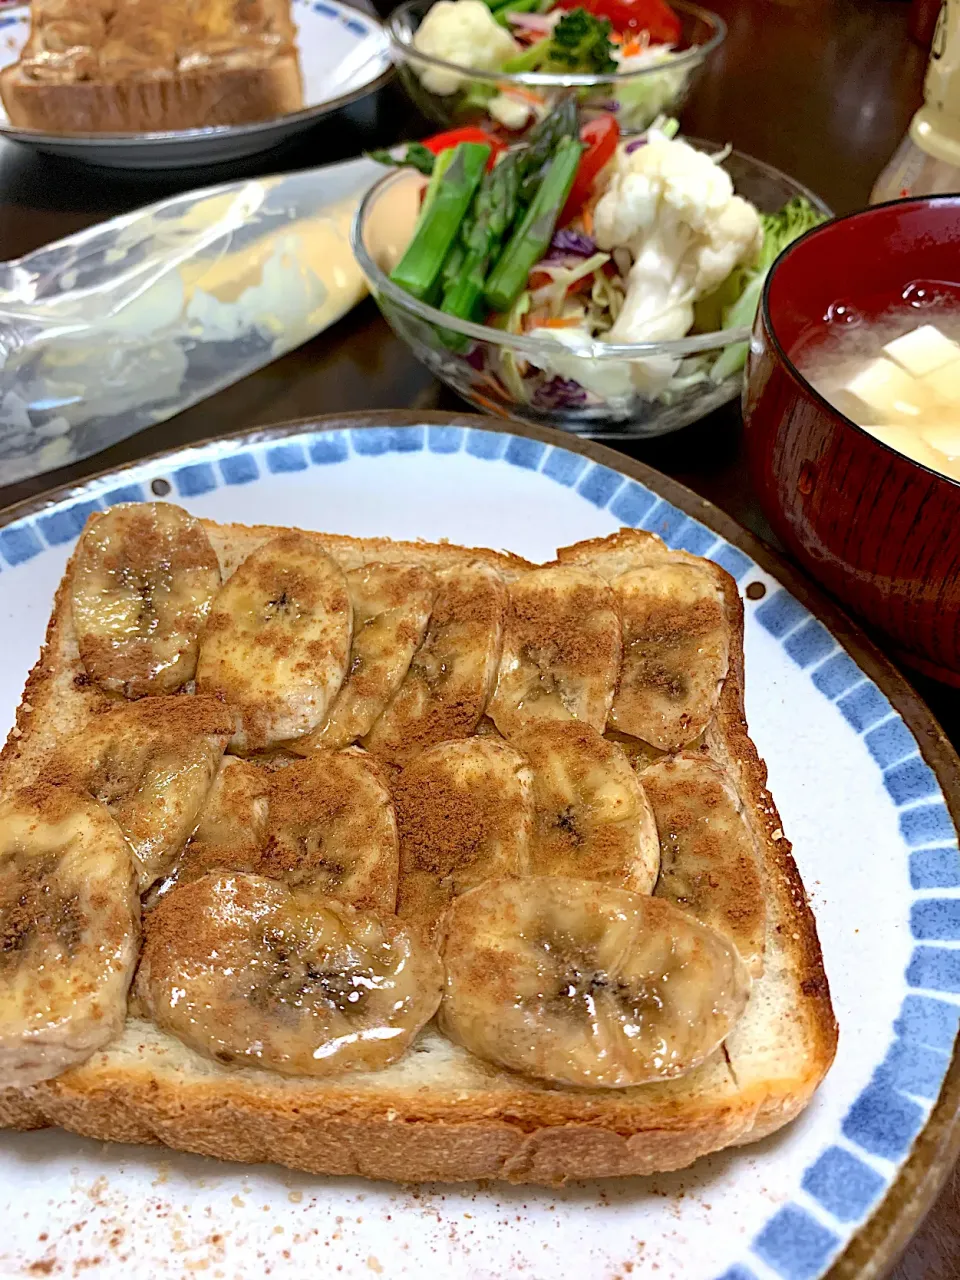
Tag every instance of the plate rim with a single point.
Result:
(208, 133)
(878, 1243)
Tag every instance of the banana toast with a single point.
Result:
(132, 66)
(450, 866)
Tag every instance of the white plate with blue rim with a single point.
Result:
(865, 783)
(344, 55)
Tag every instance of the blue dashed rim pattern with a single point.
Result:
(846, 1182)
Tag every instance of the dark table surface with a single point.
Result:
(823, 89)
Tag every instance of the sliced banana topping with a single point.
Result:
(582, 984)
(232, 830)
(676, 649)
(640, 754)
(391, 608)
(332, 825)
(708, 859)
(152, 763)
(444, 693)
(676, 637)
(69, 927)
(561, 650)
(144, 577)
(592, 819)
(277, 641)
(465, 814)
(249, 971)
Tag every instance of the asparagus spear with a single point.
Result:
(532, 237)
(444, 207)
(481, 237)
(542, 142)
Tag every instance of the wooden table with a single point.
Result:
(821, 88)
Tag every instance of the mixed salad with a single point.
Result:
(578, 236)
(594, 37)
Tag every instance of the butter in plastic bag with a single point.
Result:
(129, 322)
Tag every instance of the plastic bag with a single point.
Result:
(129, 322)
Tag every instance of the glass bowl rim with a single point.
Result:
(554, 80)
(597, 350)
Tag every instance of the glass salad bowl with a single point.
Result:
(598, 389)
(453, 94)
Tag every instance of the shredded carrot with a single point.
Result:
(518, 91)
(632, 48)
(587, 218)
(615, 37)
(560, 322)
(490, 406)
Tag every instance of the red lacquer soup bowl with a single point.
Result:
(879, 531)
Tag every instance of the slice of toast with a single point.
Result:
(440, 1113)
(129, 66)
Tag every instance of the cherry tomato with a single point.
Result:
(655, 17)
(469, 133)
(600, 138)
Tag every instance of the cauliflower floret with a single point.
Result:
(510, 112)
(675, 210)
(464, 32)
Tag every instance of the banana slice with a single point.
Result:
(249, 971)
(676, 637)
(708, 860)
(277, 641)
(676, 650)
(232, 830)
(144, 578)
(640, 754)
(69, 929)
(152, 763)
(465, 814)
(593, 820)
(391, 608)
(451, 676)
(582, 984)
(332, 825)
(561, 650)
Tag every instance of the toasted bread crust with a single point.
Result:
(439, 1114)
(191, 100)
(129, 66)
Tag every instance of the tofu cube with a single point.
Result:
(880, 392)
(944, 436)
(908, 441)
(944, 383)
(923, 350)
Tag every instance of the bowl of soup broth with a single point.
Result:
(852, 418)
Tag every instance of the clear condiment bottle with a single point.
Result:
(927, 161)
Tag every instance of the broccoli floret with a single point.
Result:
(581, 42)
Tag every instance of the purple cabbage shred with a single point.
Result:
(475, 358)
(635, 145)
(559, 393)
(566, 242)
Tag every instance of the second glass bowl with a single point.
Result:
(636, 97)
